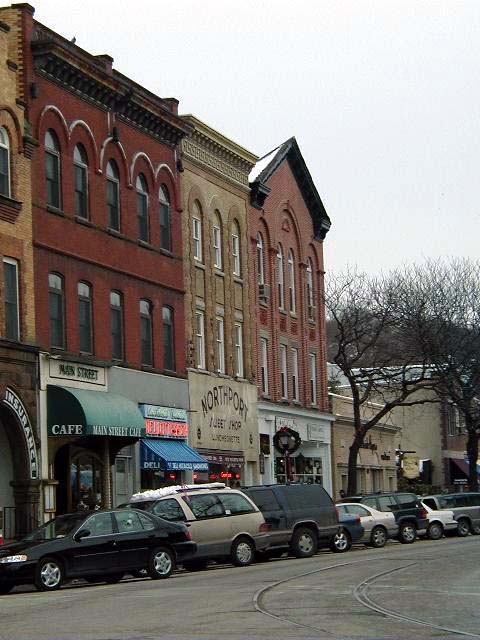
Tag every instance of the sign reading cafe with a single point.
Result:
(12, 401)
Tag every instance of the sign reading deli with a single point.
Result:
(12, 401)
(164, 422)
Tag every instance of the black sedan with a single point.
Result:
(98, 546)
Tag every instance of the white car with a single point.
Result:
(439, 521)
(379, 526)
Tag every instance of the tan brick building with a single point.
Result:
(218, 316)
(20, 470)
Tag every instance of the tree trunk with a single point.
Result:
(352, 464)
(472, 451)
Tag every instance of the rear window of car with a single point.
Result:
(446, 502)
(407, 500)
(305, 495)
(387, 503)
(430, 502)
(205, 506)
(358, 510)
(264, 499)
(234, 503)
(169, 510)
(371, 502)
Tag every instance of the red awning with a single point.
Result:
(462, 465)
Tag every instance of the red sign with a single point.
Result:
(164, 429)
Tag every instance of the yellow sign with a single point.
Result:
(411, 467)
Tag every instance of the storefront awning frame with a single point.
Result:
(170, 455)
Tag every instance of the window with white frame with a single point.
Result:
(142, 208)
(453, 421)
(85, 317)
(280, 278)
(197, 237)
(80, 168)
(5, 188)
(310, 299)
(217, 241)
(283, 372)
(291, 281)
(113, 196)
(10, 297)
(264, 365)
(220, 344)
(260, 260)
(165, 222)
(52, 169)
(313, 377)
(200, 339)
(294, 354)
(238, 339)
(236, 263)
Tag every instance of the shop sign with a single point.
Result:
(288, 423)
(77, 372)
(16, 405)
(223, 395)
(169, 414)
(163, 429)
(95, 430)
(315, 432)
(223, 458)
(368, 444)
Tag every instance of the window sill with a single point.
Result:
(9, 208)
(116, 233)
(282, 312)
(57, 212)
(237, 279)
(293, 315)
(166, 252)
(145, 244)
(84, 221)
(219, 272)
(199, 264)
(263, 302)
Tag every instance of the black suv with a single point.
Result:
(301, 517)
(406, 507)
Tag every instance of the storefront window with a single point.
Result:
(304, 470)
(86, 483)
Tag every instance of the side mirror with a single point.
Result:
(83, 533)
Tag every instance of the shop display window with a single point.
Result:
(304, 470)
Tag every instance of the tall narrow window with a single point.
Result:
(283, 372)
(113, 196)
(168, 339)
(165, 223)
(310, 299)
(5, 189)
(313, 377)
(236, 260)
(238, 339)
(295, 395)
(197, 235)
(217, 241)
(116, 324)
(142, 208)
(146, 332)
(56, 308)
(220, 350)
(264, 365)
(85, 317)
(52, 169)
(200, 339)
(291, 281)
(260, 260)
(80, 165)
(280, 281)
(10, 289)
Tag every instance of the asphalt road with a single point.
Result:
(425, 590)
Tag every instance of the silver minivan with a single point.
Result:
(465, 507)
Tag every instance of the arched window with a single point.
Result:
(113, 196)
(85, 325)
(291, 281)
(146, 340)
(310, 298)
(168, 339)
(165, 224)
(80, 164)
(56, 310)
(217, 241)
(116, 324)
(260, 260)
(5, 189)
(197, 232)
(142, 208)
(280, 278)
(236, 259)
(52, 169)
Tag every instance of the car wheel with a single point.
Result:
(195, 565)
(304, 543)
(378, 538)
(5, 588)
(475, 530)
(435, 531)
(113, 578)
(243, 552)
(407, 533)
(48, 574)
(463, 528)
(341, 541)
(162, 563)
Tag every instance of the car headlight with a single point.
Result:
(13, 559)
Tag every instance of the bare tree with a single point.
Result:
(439, 308)
(377, 358)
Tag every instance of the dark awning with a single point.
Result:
(462, 465)
(170, 455)
(77, 412)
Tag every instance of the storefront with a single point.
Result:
(311, 463)
(224, 428)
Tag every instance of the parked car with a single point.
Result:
(224, 522)
(99, 546)
(378, 526)
(409, 513)
(301, 517)
(465, 507)
(439, 522)
(349, 531)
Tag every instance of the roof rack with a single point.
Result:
(156, 494)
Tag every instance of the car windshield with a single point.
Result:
(58, 527)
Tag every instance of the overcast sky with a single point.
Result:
(382, 96)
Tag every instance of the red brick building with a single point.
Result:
(108, 256)
(288, 224)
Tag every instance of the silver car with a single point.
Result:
(379, 525)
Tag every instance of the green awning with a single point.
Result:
(76, 412)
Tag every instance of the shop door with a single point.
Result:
(123, 479)
(86, 472)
